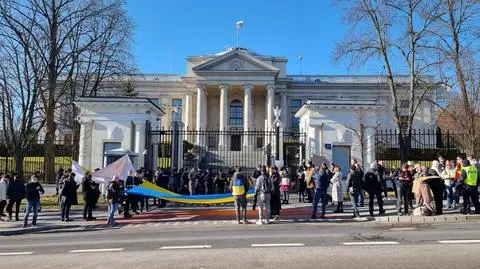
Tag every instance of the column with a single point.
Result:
(155, 143)
(201, 116)
(223, 114)
(140, 127)
(85, 145)
(187, 110)
(370, 147)
(283, 106)
(247, 114)
(270, 103)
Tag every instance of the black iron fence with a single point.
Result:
(222, 150)
(33, 160)
(425, 145)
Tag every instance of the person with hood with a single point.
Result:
(337, 189)
(239, 187)
(322, 182)
(263, 191)
(15, 193)
(405, 182)
(469, 179)
(33, 189)
(355, 188)
(114, 191)
(68, 196)
(89, 191)
(437, 185)
(3, 193)
(373, 188)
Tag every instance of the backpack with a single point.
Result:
(267, 184)
(238, 186)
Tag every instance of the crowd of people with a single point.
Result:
(428, 187)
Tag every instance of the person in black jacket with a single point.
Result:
(32, 193)
(373, 187)
(68, 196)
(90, 191)
(15, 193)
(355, 187)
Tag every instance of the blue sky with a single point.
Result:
(167, 31)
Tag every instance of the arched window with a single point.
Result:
(236, 113)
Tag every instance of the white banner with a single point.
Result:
(120, 168)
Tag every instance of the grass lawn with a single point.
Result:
(51, 202)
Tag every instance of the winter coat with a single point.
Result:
(90, 189)
(16, 190)
(69, 191)
(322, 181)
(355, 181)
(337, 187)
(33, 190)
(371, 181)
(3, 190)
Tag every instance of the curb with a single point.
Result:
(427, 219)
(19, 231)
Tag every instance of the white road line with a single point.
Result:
(96, 250)
(370, 243)
(278, 245)
(15, 253)
(459, 241)
(185, 247)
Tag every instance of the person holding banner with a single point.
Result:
(90, 191)
(113, 194)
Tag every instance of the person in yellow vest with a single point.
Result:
(239, 186)
(469, 179)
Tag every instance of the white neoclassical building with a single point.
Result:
(238, 89)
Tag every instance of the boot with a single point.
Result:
(340, 204)
(338, 208)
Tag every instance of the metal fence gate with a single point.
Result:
(220, 150)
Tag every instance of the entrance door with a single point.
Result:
(236, 143)
(341, 157)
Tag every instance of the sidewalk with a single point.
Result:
(176, 214)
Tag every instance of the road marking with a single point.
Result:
(278, 245)
(459, 241)
(404, 229)
(370, 243)
(15, 253)
(195, 223)
(215, 222)
(96, 250)
(176, 223)
(185, 247)
(138, 225)
(158, 224)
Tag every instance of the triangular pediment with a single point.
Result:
(236, 61)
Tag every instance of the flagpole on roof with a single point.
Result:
(239, 25)
(300, 58)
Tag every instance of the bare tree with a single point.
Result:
(393, 31)
(457, 46)
(71, 39)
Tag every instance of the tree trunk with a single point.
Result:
(19, 156)
(49, 158)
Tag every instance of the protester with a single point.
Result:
(191, 181)
(355, 187)
(337, 189)
(15, 193)
(437, 185)
(381, 177)
(90, 192)
(208, 182)
(361, 195)
(263, 190)
(275, 201)
(469, 179)
(68, 196)
(3, 193)
(33, 189)
(404, 188)
(309, 181)
(302, 185)
(285, 186)
(113, 194)
(322, 182)
(239, 186)
(219, 183)
(58, 179)
(373, 188)
(129, 201)
(448, 176)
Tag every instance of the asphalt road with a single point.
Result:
(250, 246)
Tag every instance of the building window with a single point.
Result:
(107, 146)
(259, 142)
(295, 105)
(212, 142)
(177, 102)
(236, 113)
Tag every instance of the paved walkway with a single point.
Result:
(182, 215)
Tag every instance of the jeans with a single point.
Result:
(88, 207)
(10, 207)
(354, 195)
(360, 198)
(65, 207)
(404, 189)
(384, 187)
(320, 196)
(285, 196)
(112, 207)
(371, 197)
(32, 205)
(451, 194)
(264, 206)
(240, 207)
